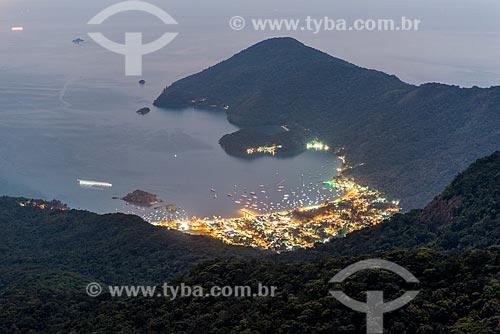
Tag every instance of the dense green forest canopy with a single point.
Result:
(451, 246)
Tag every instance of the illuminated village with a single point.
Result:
(312, 145)
(356, 207)
(359, 207)
(317, 146)
(264, 149)
(45, 205)
(341, 208)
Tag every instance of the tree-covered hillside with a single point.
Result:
(465, 216)
(451, 246)
(109, 248)
(406, 140)
(459, 294)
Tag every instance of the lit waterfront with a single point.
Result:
(313, 212)
(357, 208)
(280, 216)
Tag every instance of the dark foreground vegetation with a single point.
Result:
(459, 294)
(451, 246)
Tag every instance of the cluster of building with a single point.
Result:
(317, 146)
(264, 149)
(44, 205)
(304, 216)
(358, 207)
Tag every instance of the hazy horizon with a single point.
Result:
(455, 45)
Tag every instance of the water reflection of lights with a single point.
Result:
(283, 230)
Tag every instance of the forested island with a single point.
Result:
(406, 140)
(251, 143)
(141, 198)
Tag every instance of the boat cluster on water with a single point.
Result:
(285, 214)
(357, 207)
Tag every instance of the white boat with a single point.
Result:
(87, 183)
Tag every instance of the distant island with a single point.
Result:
(408, 141)
(141, 198)
(143, 111)
(251, 143)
